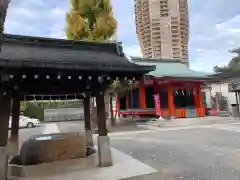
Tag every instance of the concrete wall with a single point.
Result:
(63, 114)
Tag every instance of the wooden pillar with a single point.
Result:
(4, 123)
(87, 120)
(104, 151)
(142, 98)
(13, 142)
(171, 107)
(157, 101)
(15, 116)
(101, 115)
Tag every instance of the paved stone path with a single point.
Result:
(194, 149)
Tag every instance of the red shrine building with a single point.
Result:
(172, 90)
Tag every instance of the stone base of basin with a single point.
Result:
(124, 168)
(47, 169)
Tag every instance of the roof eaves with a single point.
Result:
(154, 60)
(112, 47)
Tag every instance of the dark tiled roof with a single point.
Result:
(57, 53)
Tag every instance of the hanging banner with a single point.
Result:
(157, 105)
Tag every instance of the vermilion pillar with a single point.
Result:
(171, 101)
(142, 98)
(196, 99)
(201, 106)
(157, 101)
(127, 102)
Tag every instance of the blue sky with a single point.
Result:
(214, 26)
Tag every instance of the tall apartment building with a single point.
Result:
(162, 28)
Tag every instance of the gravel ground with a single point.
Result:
(195, 154)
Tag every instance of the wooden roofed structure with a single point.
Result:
(172, 90)
(35, 67)
(41, 66)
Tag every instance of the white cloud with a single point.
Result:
(214, 26)
(36, 17)
(207, 59)
(134, 51)
(211, 44)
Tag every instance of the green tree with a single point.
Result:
(233, 66)
(33, 110)
(118, 88)
(223, 101)
(90, 20)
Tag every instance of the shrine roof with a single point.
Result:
(171, 68)
(39, 52)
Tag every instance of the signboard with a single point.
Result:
(232, 87)
(147, 80)
(162, 81)
(157, 104)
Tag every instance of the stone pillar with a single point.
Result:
(171, 102)
(104, 150)
(4, 123)
(87, 120)
(13, 141)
